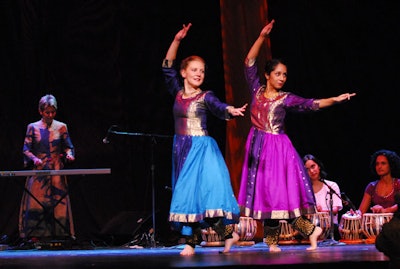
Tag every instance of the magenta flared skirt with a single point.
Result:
(274, 182)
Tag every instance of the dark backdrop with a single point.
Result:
(341, 46)
(102, 58)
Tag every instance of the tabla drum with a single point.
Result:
(287, 235)
(350, 229)
(323, 220)
(211, 238)
(246, 229)
(372, 224)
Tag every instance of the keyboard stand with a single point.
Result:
(48, 211)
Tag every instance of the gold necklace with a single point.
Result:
(390, 193)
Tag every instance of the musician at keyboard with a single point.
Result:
(45, 207)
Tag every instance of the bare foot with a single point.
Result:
(230, 242)
(274, 248)
(314, 237)
(187, 251)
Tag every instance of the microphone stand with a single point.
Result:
(152, 169)
(331, 241)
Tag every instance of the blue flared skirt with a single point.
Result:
(201, 182)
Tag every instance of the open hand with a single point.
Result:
(182, 33)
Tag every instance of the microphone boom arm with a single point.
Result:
(345, 200)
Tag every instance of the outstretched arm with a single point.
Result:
(255, 49)
(236, 111)
(335, 100)
(173, 48)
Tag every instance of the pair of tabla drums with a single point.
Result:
(355, 229)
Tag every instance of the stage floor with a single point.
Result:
(247, 256)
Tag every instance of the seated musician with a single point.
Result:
(379, 194)
(322, 192)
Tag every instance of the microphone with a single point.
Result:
(106, 140)
(348, 201)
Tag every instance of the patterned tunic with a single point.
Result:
(48, 143)
(200, 178)
(274, 183)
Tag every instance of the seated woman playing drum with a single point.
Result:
(379, 194)
(378, 203)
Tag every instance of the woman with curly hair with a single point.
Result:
(379, 194)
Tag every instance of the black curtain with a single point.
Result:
(102, 59)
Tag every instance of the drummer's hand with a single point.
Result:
(352, 212)
(377, 209)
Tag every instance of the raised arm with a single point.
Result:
(255, 49)
(335, 100)
(173, 48)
